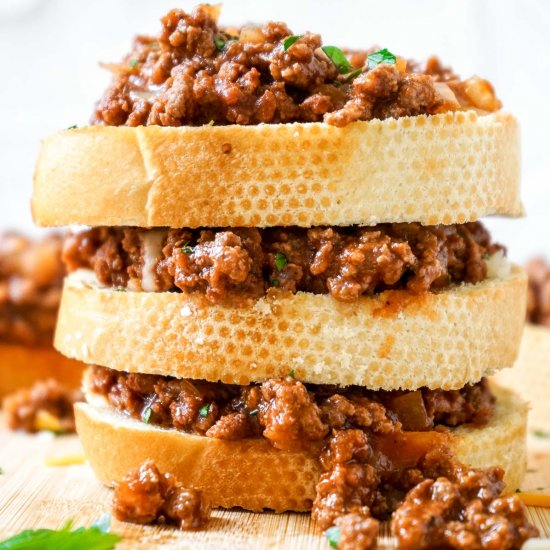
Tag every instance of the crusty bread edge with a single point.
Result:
(252, 474)
(446, 168)
(388, 341)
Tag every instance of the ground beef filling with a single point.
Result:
(195, 73)
(31, 276)
(374, 447)
(291, 415)
(238, 264)
(48, 405)
(538, 296)
(147, 496)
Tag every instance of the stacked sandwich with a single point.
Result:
(285, 297)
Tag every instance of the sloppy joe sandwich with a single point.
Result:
(31, 276)
(286, 297)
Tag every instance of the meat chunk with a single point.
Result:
(48, 405)
(464, 512)
(147, 496)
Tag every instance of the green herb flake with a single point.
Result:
(336, 55)
(146, 414)
(275, 282)
(120, 289)
(134, 63)
(289, 40)
(381, 56)
(485, 256)
(280, 261)
(541, 434)
(333, 535)
(186, 249)
(95, 537)
(1, 471)
(253, 413)
(219, 42)
(204, 410)
(73, 127)
(291, 373)
(353, 75)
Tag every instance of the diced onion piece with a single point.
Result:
(498, 266)
(46, 421)
(65, 460)
(446, 96)
(252, 34)
(535, 499)
(401, 64)
(481, 94)
(116, 68)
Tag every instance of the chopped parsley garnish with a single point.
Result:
(275, 282)
(540, 433)
(336, 55)
(280, 261)
(289, 40)
(485, 256)
(253, 413)
(219, 42)
(186, 249)
(134, 63)
(291, 373)
(333, 536)
(381, 56)
(73, 127)
(1, 471)
(146, 413)
(96, 537)
(204, 410)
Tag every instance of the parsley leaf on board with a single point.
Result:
(333, 536)
(95, 537)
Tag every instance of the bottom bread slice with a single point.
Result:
(250, 473)
(22, 366)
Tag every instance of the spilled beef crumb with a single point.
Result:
(195, 72)
(48, 405)
(234, 265)
(31, 276)
(147, 496)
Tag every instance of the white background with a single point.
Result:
(49, 51)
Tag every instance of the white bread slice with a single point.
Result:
(389, 341)
(531, 375)
(21, 366)
(254, 475)
(447, 168)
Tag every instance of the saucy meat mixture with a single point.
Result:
(375, 447)
(236, 264)
(48, 405)
(31, 276)
(538, 294)
(147, 496)
(195, 72)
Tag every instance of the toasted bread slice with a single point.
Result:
(388, 341)
(447, 168)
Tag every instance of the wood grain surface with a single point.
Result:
(35, 495)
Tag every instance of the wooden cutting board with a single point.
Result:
(34, 495)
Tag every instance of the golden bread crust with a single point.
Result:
(447, 168)
(389, 341)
